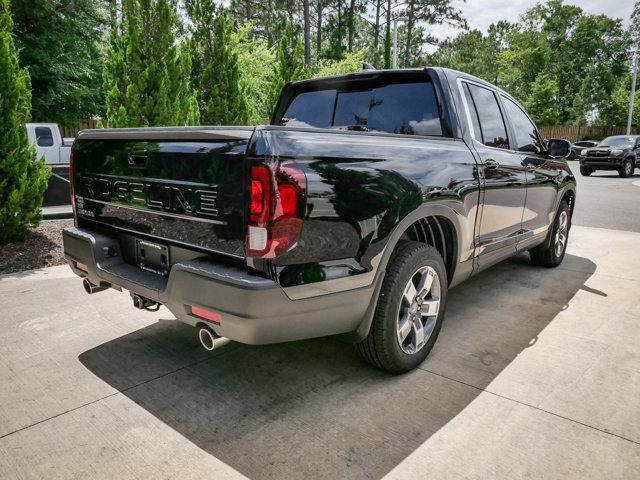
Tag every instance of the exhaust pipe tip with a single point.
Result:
(209, 340)
(91, 288)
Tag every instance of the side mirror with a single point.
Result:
(558, 148)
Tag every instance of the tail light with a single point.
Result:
(276, 209)
(73, 202)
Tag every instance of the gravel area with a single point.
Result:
(42, 248)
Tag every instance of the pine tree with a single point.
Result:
(216, 76)
(61, 41)
(289, 64)
(386, 61)
(147, 73)
(23, 178)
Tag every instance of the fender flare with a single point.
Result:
(424, 211)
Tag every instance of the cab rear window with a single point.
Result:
(405, 108)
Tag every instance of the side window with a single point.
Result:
(44, 137)
(494, 132)
(525, 131)
(477, 133)
(310, 109)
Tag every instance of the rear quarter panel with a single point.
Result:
(360, 190)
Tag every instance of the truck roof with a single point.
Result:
(389, 72)
(450, 73)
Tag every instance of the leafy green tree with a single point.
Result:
(352, 62)
(429, 12)
(23, 178)
(555, 54)
(634, 28)
(61, 41)
(617, 109)
(470, 52)
(335, 31)
(216, 76)
(255, 60)
(147, 73)
(577, 47)
(289, 64)
(542, 101)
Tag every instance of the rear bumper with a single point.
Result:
(252, 309)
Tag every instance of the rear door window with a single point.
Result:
(525, 131)
(44, 137)
(492, 127)
(404, 108)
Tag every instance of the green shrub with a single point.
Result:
(23, 177)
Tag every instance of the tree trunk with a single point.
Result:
(352, 24)
(307, 33)
(410, 22)
(319, 29)
(376, 31)
(340, 31)
(267, 25)
(113, 13)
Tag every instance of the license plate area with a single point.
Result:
(152, 257)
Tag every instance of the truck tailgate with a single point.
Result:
(183, 186)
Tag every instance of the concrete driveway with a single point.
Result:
(536, 374)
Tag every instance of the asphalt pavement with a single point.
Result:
(606, 200)
(536, 374)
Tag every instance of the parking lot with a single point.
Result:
(536, 374)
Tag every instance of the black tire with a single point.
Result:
(546, 255)
(627, 168)
(382, 347)
(585, 171)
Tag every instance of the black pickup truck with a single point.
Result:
(619, 153)
(368, 197)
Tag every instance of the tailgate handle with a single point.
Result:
(138, 159)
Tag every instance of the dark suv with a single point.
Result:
(619, 152)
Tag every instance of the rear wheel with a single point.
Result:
(585, 171)
(627, 168)
(551, 253)
(409, 311)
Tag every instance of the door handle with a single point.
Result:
(491, 164)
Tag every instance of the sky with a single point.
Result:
(482, 13)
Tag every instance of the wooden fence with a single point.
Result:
(70, 131)
(575, 133)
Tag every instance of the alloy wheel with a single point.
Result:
(418, 310)
(561, 233)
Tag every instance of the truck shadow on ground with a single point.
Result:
(313, 409)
